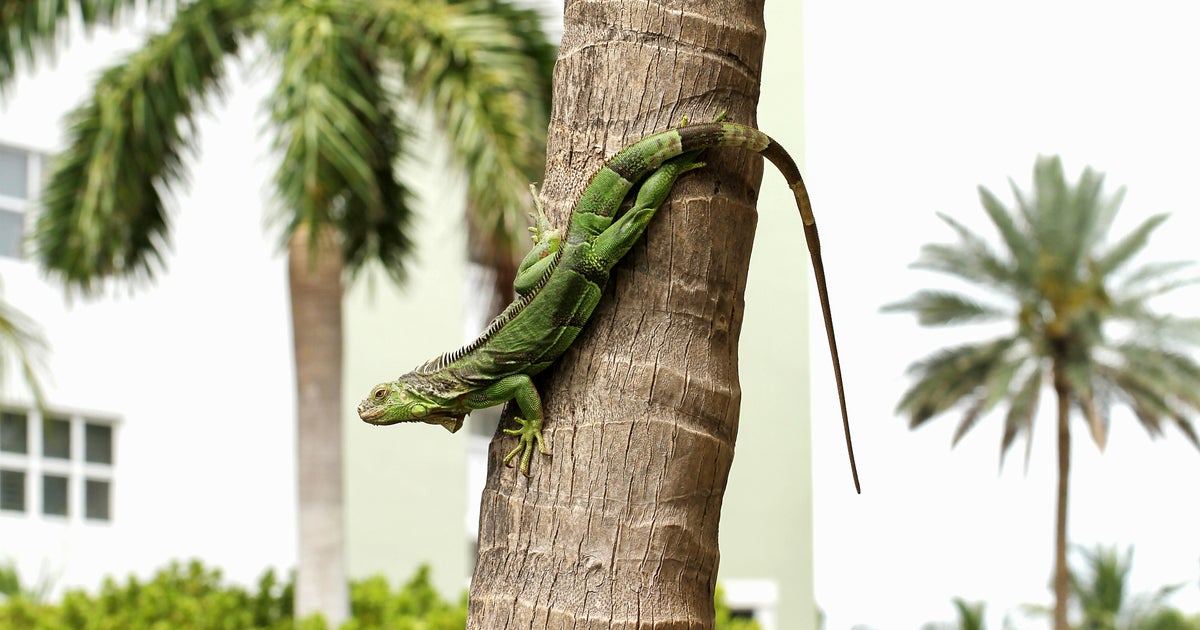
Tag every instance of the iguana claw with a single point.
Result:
(530, 434)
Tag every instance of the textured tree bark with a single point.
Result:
(618, 529)
(315, 284)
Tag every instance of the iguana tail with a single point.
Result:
(643, 157)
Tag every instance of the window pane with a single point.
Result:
(14, 432)
(98, 444)
(56, 437)
(11, 232)
(96, 500)
(54, 495)
(13, 173)
(12, 490)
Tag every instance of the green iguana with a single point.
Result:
(560, 282)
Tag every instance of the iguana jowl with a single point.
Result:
(560, 282)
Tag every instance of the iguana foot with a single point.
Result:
(531, 435)
(541, 224)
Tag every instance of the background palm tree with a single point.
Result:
(1102, 595)
(970, 617)
(481, 68)
(1082, 324)
(21, 343)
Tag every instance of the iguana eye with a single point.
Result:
(380, 392)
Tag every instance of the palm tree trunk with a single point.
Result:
(315, 282)
(619, 527)
(1062, 584)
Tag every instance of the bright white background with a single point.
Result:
(909, 106)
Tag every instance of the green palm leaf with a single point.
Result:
(338, 134)
(21, 342)
(31, 29)
(940, 308)
(103, 212)
(482, 87)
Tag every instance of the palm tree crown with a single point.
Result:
(1079, 308)
(482, 67)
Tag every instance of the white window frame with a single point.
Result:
(76, 469)
(33, 182)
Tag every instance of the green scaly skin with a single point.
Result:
(559, 284)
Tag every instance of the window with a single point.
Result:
(56, 465)
(18, 172)
(12, 490)
(96, 507)
(98, 443)
(56, 438)
(54, 495)
(14, 173)
(14, 433)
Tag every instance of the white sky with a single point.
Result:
(909, 106)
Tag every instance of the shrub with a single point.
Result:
(193, 597)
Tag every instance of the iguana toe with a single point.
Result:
(530, 434)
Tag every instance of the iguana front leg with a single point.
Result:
(518, 387)
(546, 241)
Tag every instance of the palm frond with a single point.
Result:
(20, 340)
(1125, 249)
(1021, 410)
(103, 213)
(1051, 226)
(970, 614)
(1101, 593)
(1018, 242)
(34, 29)
(972, 259)
(949, 377)
(1149, 325)
(997, 387)
(941, 308)
(1080, 376)
(1159, 385)
(474, 74)
(1084, 218)
(1154, 272)
(338, 135)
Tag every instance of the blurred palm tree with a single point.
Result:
(1102, 592)
(22, 343)
(1082, 324)
(481, 68)
(970, 617)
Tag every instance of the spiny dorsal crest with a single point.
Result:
(442, 360)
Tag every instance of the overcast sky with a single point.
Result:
(910, 106)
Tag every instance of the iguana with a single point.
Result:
(559, 283)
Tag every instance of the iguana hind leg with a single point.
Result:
(546, 241)
(616, 240)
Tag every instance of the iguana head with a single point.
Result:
(397, 401)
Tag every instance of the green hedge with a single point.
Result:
(193, 597)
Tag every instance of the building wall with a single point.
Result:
(194, 369)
